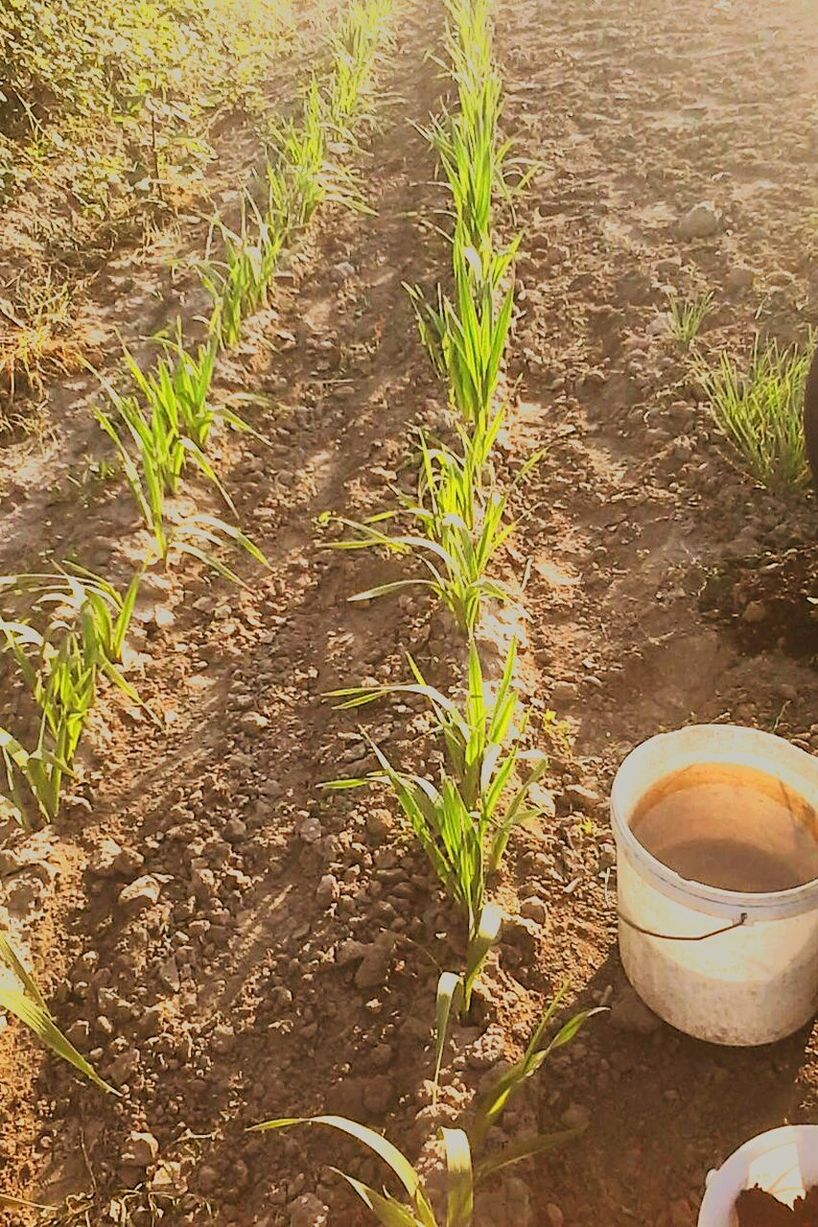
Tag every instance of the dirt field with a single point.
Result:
(236, 996)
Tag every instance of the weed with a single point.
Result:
(760, 412)
(38, 338)
(686, 316)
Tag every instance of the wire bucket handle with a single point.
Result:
(675, 937)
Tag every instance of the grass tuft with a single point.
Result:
(759, 411)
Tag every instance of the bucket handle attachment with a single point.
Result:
(674, 937)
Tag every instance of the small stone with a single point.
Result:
(235, 830)
(349, 951)
(124, 1067)
(582, 797)
(487, 1050)
(254, 722)
(151, 1021)
(224, 1038)
(168, 1180)
(308, 1211)
(310, 830)
(374, 967)
(168, 973)
(79, 1032)
(163, 617)
(556, 1218)
(139, 895)
(576, 1116)
(544, 799)
(142, 1150)
(378, 1094)
(207, 1179)
(700, 222)
(379, 822)
(328, 890)
(105, 859)
(754, 612)
(534, 909)
(740, 278)
(629, 1013)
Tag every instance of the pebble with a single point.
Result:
(142, 1150)
(224, 1038)
(740, 278)
(374, 967)
(534, 909)
(378, 1094)
(328, 890)
(111, 859)
(124, 1067)
(582, 797)
(139, 895)
(754, 612)
(308, 1211)
(310, 830)
(556, 1218)
(576, 1116)
(700, 222)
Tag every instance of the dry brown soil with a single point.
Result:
(236, 995)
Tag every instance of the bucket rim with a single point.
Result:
(761, 905)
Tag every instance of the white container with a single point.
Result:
(783, 1162)
(754, 982)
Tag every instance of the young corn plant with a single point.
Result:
(186, 377)
(760, 412)
(466, 338)
(354, 49)
(239, 284)
(458, 524)
(154, 450)
(465, 1175)
(61, 668)
(464, 823)
(20, 996)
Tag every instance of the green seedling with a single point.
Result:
(464, 1175)
(464, 825)
(61, 667)
(458, 525)
(354, 49)
(152, 446)
(466, 338)
(239, 284)
(20, 995)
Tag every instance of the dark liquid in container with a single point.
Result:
(730, 826)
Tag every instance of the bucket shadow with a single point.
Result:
(664, 1109)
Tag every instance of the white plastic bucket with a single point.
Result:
(756, 979)
(783, 1162)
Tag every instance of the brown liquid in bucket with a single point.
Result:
(731, 827)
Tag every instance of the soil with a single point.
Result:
(755, 1208)
(277, 947)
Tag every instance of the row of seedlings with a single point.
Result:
(453, 528)
(160, 428)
